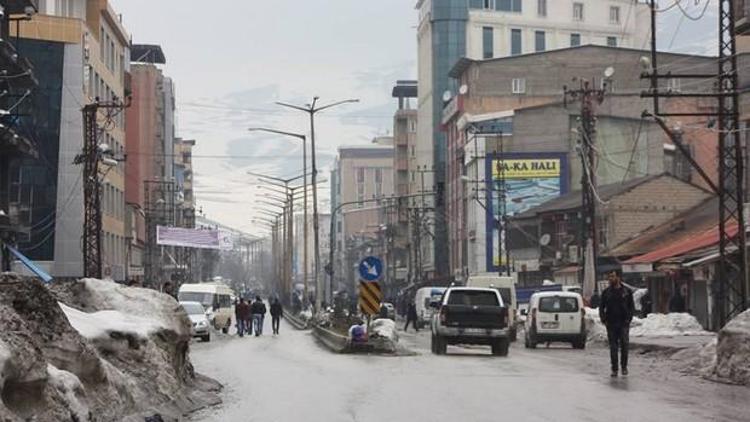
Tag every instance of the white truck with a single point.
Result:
(423, 300)
(507, 288)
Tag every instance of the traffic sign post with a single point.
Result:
(371, 268)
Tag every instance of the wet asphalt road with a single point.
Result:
(292, 378)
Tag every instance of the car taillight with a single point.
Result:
(504, 315)
(443, 315)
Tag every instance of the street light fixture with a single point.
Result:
(311, 109)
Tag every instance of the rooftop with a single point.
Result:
(147, 53)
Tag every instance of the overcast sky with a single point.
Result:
(232, 61)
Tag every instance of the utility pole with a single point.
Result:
(92, 155)
(311, 109)
(731, 294)
(587, 150)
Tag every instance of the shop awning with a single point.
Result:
(30, 264)
(700, 241)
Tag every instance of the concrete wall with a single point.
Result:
(69, 229)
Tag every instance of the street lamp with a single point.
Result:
(311, 109)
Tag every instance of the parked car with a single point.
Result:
(507, 288)
(555, 317)
(424, 300)
(471, 315)
(200, 324)
(216, 298)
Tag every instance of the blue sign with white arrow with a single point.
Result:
(371, 268)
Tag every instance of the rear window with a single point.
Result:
(505, 293)
(473, 298)
(206, 299)
(558, 304)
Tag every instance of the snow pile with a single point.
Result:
(654, 325)
(733, 350)
(384, 328)
(667, 325)
(595, 330)
(101, 324)
(699, 360)
(306, 315)
(69, 387)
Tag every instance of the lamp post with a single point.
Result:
(303, 138)
(311, 109)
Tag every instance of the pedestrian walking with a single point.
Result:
(411, 317)
(646, 304)
(276, 312)
(242, 312)
(259, 311)
(616, 312)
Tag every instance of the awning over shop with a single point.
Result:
(30, 265)
(700, 241)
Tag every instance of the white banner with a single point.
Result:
(189, 238)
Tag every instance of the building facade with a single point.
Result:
(479, 29)
(362, 175)
(82, 51)
(497, 113)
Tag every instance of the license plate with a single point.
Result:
(550, 324)
(474, 331)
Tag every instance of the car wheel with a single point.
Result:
(441, 347)
(206, 338)
(513, 334)
(500, 347)
(532, 339)
(579, 344)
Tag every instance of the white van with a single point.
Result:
(216, 298)
(423, 300)
(507, 288)
(556, 316)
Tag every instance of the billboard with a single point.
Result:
(529, 180)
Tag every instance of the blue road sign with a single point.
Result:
(371, 268)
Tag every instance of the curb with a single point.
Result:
(334, 341)
(296, 322)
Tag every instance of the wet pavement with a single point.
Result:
(291, 377)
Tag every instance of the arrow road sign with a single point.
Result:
(370, 268)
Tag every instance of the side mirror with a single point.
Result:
(524, 312)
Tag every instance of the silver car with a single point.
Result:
(200, 325)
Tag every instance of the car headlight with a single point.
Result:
(202, 323)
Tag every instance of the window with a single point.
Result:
(575, 40)
(519, 86)
(515, 42)
(673, 85)
(614, 14)
(541, 7)
(540, 39)
(577, 11)
(413, 151)
(488, 4)
(473, 298)
(412, 126)
(378, 175)
(487, 42)
(339, 226)
(558, 304)
(611, 41)
(509, 5)
(378, 190)
(360, 175)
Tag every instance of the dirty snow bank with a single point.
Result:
(384, 328)
(726, 358)
(118, 368)
(733, 350)
(654, 325)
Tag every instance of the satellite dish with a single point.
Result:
(545, 239)
(609, 72)
(464, 89)
(447, 95)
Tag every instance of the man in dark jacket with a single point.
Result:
(242, 312)
(259, 312)
(616, 312)
(276, 312)
(411, 317)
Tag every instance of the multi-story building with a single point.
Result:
(155, 190)
(480, 29)
(81, 52)
(404, 179)
(511, 110)
(362, 174)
